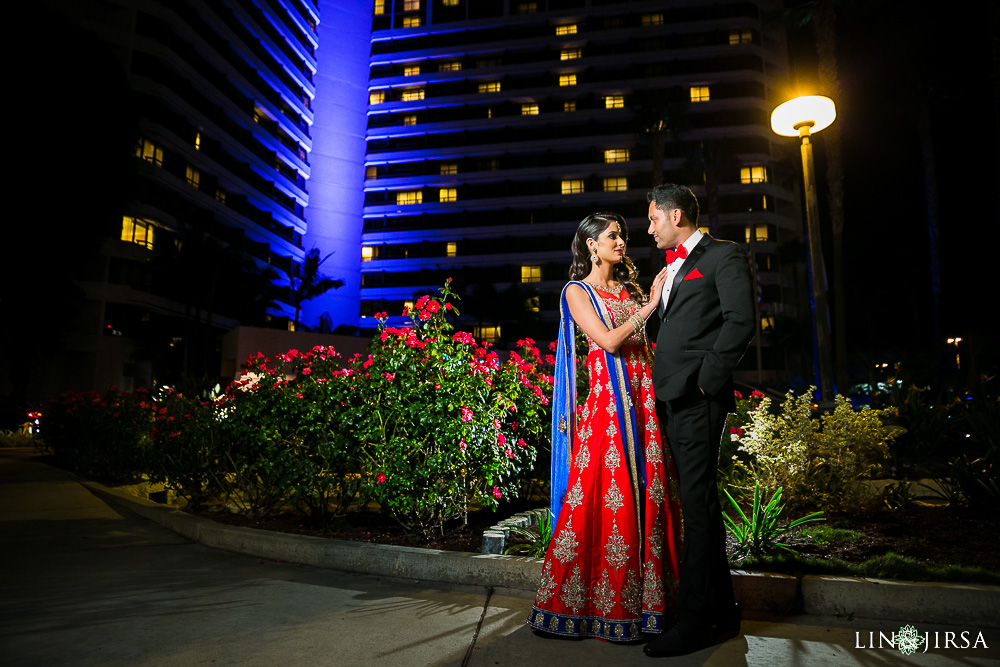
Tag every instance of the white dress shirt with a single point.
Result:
(675, 265)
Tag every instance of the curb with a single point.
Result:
(916, 602)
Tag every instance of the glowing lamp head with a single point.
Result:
(813, 111)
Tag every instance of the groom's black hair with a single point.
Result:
(669, 196)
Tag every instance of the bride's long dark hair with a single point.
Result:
(590, 228)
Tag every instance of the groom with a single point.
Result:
(707, 321)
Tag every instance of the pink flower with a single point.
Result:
(462, 444)
(496, 492)
(389, 376)
(466, 414)
(501, 440)
(380, 478)
(406, 311)
(306, 371)
(521, 442)
(496, 424)
(425, 315)
(433, 306)
(299, 396)
(549, 359)
(509, 452)
(756, 394)
(447, 306)
(737, 394)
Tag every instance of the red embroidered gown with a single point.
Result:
(610, 572)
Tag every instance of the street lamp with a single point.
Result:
(958, 360)
(798, 118)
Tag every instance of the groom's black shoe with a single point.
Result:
(727, 624)
(679, 640)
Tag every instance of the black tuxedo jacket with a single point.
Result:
(707, 323)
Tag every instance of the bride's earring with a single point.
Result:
(593, 256)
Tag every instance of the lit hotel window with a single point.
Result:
(531, 304)
(740, 37)
(197, 141)
(449, 168)
(569, 29)
(410, 120)
(570, 54)
(699, 93)
(413, 70)
(453, 66)
(376, 97)
(527, 7)
(571, 187)
(755, 174)
(379, 7)
(451, 249)
(652, 19)
(489, 62)
(371, 173)
(149, 152)
(491, 87)
(409, 197)
(448, 194)
(487, 334)
(614, 102)
(766, 325)
(411, 5)
(567, 79)
(569, 105)
(616, 155)
(531, 274)
(193, 176)
(761, 233)
(137, 231)
(529, 109)
(367, 253)
(220, 195)
(411, 21)
(616, 184)
(413, 94)
(450, 3)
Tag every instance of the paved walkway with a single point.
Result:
(87, 583)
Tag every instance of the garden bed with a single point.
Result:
(933, 537)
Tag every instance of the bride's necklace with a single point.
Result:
(607, 287)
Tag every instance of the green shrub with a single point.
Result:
(102, 435)
(443, 423)
(822, 462)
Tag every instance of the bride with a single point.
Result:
(612, 567)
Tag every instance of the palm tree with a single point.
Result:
(309, 283)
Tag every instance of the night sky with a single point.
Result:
(887, 61)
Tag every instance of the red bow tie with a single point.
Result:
(679, 252)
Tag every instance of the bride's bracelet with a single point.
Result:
(637, 322)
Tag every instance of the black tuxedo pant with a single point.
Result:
(694, 426)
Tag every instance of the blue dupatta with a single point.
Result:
(564, 407)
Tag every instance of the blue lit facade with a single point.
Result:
(238, 167)
(495, 126)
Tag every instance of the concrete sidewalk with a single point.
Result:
(88, 582)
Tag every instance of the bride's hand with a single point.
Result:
(657, 288)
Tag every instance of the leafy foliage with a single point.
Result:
(822, 462)
(538, 538)
(757, 535)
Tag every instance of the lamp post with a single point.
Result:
(801, 117)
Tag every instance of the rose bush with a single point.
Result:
(442, 422)
(428, 423)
